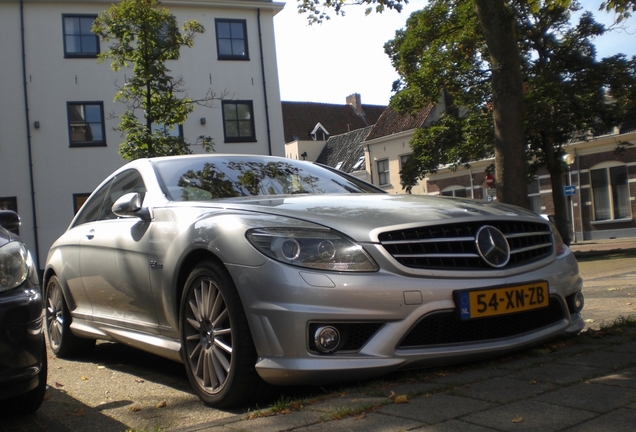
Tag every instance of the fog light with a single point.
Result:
(576, 302)
(579, 301)
(327, 339)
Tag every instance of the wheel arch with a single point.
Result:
(46, 277)
(189, 262)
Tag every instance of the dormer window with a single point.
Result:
(339, 165)
(319, 133)
(358, 164)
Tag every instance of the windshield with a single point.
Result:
(214, 177)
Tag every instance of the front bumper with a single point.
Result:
(22, 350)
(282, 301)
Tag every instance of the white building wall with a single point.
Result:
(59, 171)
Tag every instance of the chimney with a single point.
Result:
(354, 101)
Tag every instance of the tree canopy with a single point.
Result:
(496, 25)
(566, 90)
(144, 37)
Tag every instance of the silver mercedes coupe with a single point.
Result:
(255, 270)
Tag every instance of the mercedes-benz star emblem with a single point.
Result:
(492, 246)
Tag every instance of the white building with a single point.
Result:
(57, 137)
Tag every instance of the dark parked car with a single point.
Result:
(22, 347)
(254, 269)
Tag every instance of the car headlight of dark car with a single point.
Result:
(14, 265)
(316, 249)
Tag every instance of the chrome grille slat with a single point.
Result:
(531, 248)
(429, 240)
(527, 234)
(435, 255)
(453, 247)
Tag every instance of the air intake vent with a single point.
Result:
(446, 328)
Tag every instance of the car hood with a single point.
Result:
(357, 215)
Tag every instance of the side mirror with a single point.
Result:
(129, 205)
(10, 220)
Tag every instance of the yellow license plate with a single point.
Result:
(500, 301)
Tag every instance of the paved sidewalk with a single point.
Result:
(599, 247)
(587, 383)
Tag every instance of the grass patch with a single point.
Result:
(619, 326)
(341, 413)
(283, 405)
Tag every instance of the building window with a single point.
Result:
(231, 39)
(359, 164)
(9, 203)
(79, 200)
(175, 132)
(454, 191)
(238, 121)
(86, 124)
(383, 172)
(610, 193)
(404, 159)
(79, 40)
(534, 195)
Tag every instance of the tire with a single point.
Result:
(63, 343)
(30, 401)
(216, 343)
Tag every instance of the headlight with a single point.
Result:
(323, 250)
(14, 265)
(559, 244)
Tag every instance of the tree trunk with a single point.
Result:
(498, 26)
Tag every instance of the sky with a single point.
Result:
(345, 55)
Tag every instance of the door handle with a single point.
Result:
(90, 234)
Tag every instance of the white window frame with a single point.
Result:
(452, 191)
(534, 194)
(384, 173)
(611, 202)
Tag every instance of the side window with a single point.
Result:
(99, 206)
(126, 182)
(383, 172)
(92, 207)
(78, 201)
(238, 121)
(231, 39)
(86, 124)
(79, 40)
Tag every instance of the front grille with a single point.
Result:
(354, 335)
(453, 247)
(447, 328)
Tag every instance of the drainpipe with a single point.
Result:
(260, 43)
(578, 181)
(28, 131)
(370, 164)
